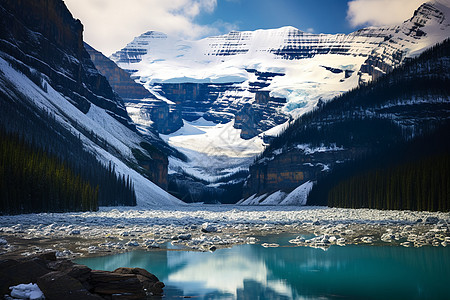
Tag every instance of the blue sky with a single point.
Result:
(324, 16)
(110, 24)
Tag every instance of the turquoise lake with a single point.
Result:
(286, 272)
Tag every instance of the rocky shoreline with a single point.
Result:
(206, 228)
(42, 244)
(63, 279)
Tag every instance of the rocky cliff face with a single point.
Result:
(143, 106)
(287, 170)
(119, 80)
(296, 69)
(44, 35)
(155, 162)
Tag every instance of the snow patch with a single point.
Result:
(299, 195)
(27, 291)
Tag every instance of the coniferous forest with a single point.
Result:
(32, 180)
(411, 175)
(420, 185)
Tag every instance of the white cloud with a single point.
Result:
(110, 24)
(380, 12)
(310, 30)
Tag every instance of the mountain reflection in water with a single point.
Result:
(255, 272)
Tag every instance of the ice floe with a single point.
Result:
(204, 227)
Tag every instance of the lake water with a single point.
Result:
(286, 272)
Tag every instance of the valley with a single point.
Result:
(232, 164)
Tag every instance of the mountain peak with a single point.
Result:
(437, 9)
(154, 34)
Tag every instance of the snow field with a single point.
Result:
(214, 150)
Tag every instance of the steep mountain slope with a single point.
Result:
(259, 81)
(46, 73)
(367, 122)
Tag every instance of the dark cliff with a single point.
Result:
(165, 118)
(43, 35)
(119, 79)
(154, 162)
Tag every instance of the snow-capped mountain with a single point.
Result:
(293, 67)
(260, 80)
(45, 73)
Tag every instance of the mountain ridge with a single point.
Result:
(157, 60)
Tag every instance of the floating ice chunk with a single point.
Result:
(208, 227)
(340, 242)
(387, 237)
(132, 244)
(92, 249)
(268, 227)
(251, 240)
(267, 245)
(367, 239)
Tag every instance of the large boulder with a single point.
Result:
(63, 279)
(121, 286)
(57, 285)
(149, 281)
(15, 272)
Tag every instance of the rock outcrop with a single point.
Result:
(289, 169)
(161, 116)
(63, 279)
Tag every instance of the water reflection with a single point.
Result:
(254, 272)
